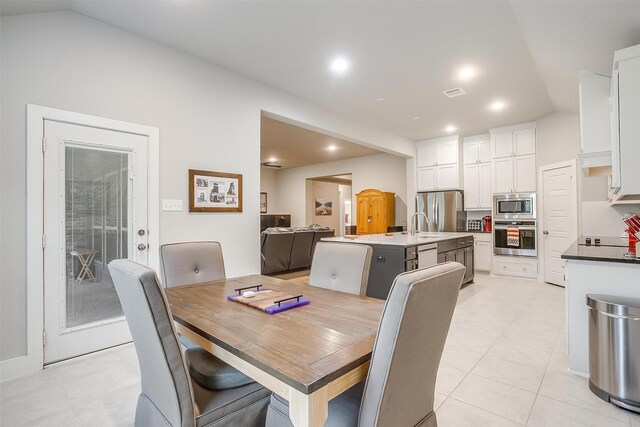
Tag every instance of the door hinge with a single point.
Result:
(44, 337)
(44, 144)
(44, 240)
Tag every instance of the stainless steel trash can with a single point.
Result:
(614, 349)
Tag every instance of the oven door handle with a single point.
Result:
(521, 227)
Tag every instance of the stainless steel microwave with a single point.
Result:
(514, 206)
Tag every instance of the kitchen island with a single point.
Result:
(395, 253)
(590, 269)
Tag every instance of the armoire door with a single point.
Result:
(376, 206)
(363, 219)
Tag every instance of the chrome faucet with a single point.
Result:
(415, 219)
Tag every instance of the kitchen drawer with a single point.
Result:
(510, 266)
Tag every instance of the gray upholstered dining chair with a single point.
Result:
(191, 262)
(400, 386)
(341, 267)
(168, 396)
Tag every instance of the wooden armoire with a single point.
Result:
(376, 210)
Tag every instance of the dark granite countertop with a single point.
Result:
(599, 253)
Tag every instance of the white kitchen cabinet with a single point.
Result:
(484, 186)
(427, 179)
(502, 144)
(484, 151)
(524, 142)
(503, 175)
(476, 149)
(447, 152)
(595, 120)
(437, 164)
(515, 266)
(477, 186)
(471, 187)
(447, 177)
(482, 251)
(426, 155)
(525, 173)
(470, 152)
(514, 159)
(625, 135)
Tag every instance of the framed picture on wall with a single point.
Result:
(263, 202)
(214, 191)
(324, 207)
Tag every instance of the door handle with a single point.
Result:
(142, 247)
(545, 232)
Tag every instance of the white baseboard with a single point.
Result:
(17, 367)
(580, 374)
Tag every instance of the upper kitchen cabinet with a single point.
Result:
(513, 150)
(524, 142)
(426, 155)
(502, 144)
(476, 156)
(437, 164)
(476, 149)
(595, 122)
(625, 125)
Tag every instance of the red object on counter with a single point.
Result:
(486, 223)
(632, 241)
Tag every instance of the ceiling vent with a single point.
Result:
(456, 91)
(270, 165)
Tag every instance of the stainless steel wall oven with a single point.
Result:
(505, 241)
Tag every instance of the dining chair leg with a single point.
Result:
(308, 410)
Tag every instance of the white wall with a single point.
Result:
(383, 172)
(209, 118)
(327, 191)
(269, 184)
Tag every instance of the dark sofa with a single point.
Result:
(285, 249)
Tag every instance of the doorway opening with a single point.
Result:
(309, 179)
(329, 203)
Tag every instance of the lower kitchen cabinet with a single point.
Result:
(483, 251)
(515, 266)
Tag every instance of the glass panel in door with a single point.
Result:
(96, 231)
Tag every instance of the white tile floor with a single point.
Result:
(504, 365)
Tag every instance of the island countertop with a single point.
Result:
(599, 254)
(399, 239)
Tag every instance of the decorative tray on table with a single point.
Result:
(268, 300)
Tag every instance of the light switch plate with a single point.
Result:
(172, 205)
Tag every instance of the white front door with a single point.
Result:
(95, 211)
(558, 220)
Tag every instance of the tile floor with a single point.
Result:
(504, 364)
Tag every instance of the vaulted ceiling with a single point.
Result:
(525, 53)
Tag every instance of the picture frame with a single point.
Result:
(263, 202)
(214, 191)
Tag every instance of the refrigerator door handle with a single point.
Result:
(437, 214)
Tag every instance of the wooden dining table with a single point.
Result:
(308, 355)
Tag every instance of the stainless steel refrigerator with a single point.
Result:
(444, 211)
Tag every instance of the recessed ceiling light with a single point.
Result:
(498, 105)
(332, 148)
(379, 99)
(450, 128)
(416, 117)
(339, 65)
(466, 73)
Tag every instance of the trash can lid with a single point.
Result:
(616, 305)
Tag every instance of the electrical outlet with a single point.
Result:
(172, 205)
